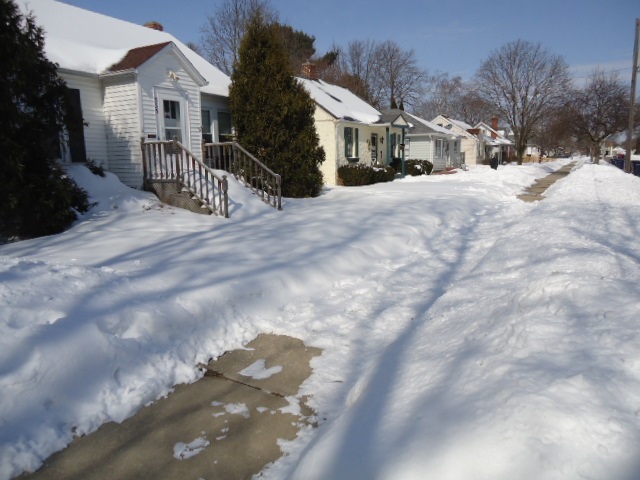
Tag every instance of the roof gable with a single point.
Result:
(457, 126)
(137, 56)
(425, 127)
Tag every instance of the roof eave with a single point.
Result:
(129, 71)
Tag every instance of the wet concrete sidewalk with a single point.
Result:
(535, 191)
(224, 426)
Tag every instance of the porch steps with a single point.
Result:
(172, 194)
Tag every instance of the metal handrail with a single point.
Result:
(233, 158)
(170, 161)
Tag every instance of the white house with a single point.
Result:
(128, 81)
(471, 150)
(424, 140)
(350, 130)
(495, 143)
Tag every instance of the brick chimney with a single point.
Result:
(494, 125)
(309, 71)
(154, 26)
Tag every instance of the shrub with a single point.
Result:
(95, 167)
(383, 174)
(36, 197)
(416, 168)
(358, 174)
(413, 168)
(355, 175)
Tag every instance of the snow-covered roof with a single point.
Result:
(340, 102)
(85, 41)
(422, 126)
(496, 139)
(459, 127)
(461, 124)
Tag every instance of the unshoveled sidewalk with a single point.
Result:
(535, 192)
(224, 426)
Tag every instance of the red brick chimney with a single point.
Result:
(309, 71)
(154, 26)
(494, 125)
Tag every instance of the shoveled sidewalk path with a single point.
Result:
(224, 426)
(535, 191)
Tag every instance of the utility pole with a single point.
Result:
(634, 75)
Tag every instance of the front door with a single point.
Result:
(374, 148)
(172, 117)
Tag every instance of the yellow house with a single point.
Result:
(350, 130)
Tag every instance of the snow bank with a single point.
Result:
(465, 334)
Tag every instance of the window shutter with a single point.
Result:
(347, 142)
(357, 144)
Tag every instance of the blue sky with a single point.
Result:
(447, 36)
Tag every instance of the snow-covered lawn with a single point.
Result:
(465, 334)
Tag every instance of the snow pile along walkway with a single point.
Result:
(465, 333)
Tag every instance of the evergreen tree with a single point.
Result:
(273, 113)
(36, 198)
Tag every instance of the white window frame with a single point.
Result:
(163, 94)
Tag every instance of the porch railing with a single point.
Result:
(246, 168)
(171, 162)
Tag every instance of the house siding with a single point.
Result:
(327, 129)
(123, 129)
(419, 148)
(153, 78)
(470, 149)
(95, 130)
(469, 146)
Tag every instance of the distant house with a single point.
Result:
(425, 140)
(481, 142)
(129, 81)
(350, 130)
(472, 151)
(494, 142)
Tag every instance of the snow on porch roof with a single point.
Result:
(85, 41)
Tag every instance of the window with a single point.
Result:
(75, 126)
(207, 137)
(172, 120)
(350, 142)
(439, 148)
(225, 131)
(455, 147)
(393, 140)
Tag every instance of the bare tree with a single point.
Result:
(523, 82)
(599, 109)
(222, 33)
(353, 68)
(472, 108)
(443, 96)
(453, 98)
(554, 134)
(397, 78)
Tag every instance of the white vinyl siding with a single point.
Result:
(95, 131)
(419, 148)
(153, 78)
(123, 129)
